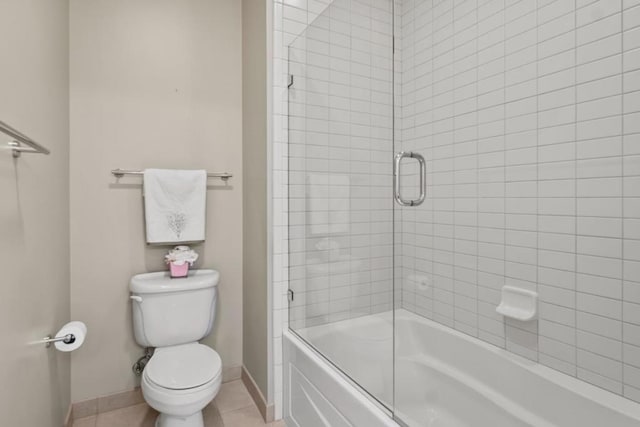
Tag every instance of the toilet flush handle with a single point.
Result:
(136, 298)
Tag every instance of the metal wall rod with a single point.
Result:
(67, 339)
(119, 173)
(18, 139)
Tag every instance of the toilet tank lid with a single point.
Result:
(161, 282)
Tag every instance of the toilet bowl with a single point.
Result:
(180, 381)
(183, 376)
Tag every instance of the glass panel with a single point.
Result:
(340, 194)
(527, 114)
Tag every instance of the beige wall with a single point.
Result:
(254, 144)
(34, 212)
(155, 83)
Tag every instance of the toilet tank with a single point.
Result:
(170, 311)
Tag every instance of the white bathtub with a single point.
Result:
(443, 379)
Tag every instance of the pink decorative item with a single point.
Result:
(180, 259)
(176, 270)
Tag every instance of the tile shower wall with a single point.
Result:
(528, 112)
(340, 141)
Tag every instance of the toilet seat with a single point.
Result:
(169, 383)
(183, 367)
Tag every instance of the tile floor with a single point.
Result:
(232, 407)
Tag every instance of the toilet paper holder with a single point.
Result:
(67, 339)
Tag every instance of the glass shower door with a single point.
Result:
(340, 133)
(525, 113)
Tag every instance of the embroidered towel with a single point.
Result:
(174, 204)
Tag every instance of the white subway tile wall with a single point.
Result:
(528, 113)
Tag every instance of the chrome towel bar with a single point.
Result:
(18, 139)
(119, 173)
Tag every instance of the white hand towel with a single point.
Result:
(175, 203)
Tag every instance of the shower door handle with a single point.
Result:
(396, 178)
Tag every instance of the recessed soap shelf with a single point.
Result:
(519, 304)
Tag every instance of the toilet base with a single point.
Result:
(195, 420)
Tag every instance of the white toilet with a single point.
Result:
(171, 315)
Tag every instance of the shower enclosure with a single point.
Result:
(442, 153)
